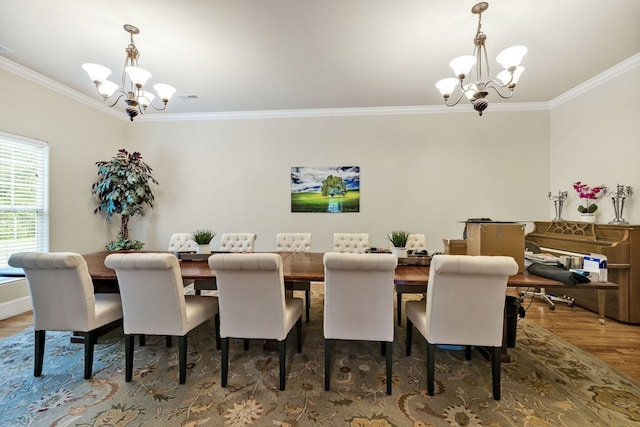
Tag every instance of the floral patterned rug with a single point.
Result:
(548, 383)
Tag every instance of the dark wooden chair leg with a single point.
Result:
(399, 305)
(299, 335)
(182, 358)
(307, 301)
(246, 344)
(327, 364)
(430, 367)
(224, 370)
(90, 339)
(389, 352)
(168, 341)
(282, 353)
(383, 348)
(217, 323)
(198, 291)
(39, 352)
(409, 336)
(143, 340)
(467, 352)
(128, 350)
(496, 357)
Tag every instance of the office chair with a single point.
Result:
(541, 292)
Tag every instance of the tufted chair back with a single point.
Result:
(237, 242)
(61, 291)
(293, 242)
(356, 243)
(417, 242)
(182, 242)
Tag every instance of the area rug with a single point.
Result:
(548, 383)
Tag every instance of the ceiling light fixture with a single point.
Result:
(133, 79)
(477, 91)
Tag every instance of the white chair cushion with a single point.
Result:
(351, 242)
(237, 242)
(417, 242)
(182, 242)
(359, 296)
(293, 242)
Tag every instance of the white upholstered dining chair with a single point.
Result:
(253, 304)
(63, 299)
(296, 242)
(464, 306)
(358, 303)
(415, 242)
(356, 243)
(237, 242)
(154, 303)
(182, 242)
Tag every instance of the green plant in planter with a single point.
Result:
(203, 237)
(398, 238)
(123, 188)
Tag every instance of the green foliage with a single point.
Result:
(398, 238)
(333, 185)
(123, 187)
(203, 237)
(120, 244)
(316, 202)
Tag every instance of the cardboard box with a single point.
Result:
(497, 238)
(455, 247)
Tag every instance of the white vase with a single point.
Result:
(588, 217)
(204, 249)
(399, 252)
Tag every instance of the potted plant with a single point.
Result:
(398, 239)
(587, 213)
(203, 239)
(123, 188)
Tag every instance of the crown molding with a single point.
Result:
(613, 72)
(46, 82)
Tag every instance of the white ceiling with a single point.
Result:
(254, 55)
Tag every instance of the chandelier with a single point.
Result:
(136, 98)
(477, 91)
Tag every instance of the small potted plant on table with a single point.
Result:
(203, 239)
(398, 239)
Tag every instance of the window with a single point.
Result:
(24, 188)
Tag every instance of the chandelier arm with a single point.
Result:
(446, 100)
(491, 84)
(121, 94)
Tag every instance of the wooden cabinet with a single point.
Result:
(619, 243)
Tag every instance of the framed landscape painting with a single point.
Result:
(325, 189)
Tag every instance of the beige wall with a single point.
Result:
(594, 139)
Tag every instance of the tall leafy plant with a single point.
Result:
(123, 188)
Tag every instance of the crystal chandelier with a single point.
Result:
(133, 79)
(477, 91)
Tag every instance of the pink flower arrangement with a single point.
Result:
(588, 193)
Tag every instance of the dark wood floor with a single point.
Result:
(615, 343)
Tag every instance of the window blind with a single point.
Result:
(24, 196)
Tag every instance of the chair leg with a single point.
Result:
(409, 336)
(39, 353)
(128, 350)
(389, 352)
(383, 348)
(198, 291)
(327, 363)
(299, 335)
(246, 344)
(467, 352)
(496, 353)
(168, 341)
(431, 352)
(282, 354)
(182, 358)
(399, 305)
(90, 339)
(224, 370)
(143, 340)
(307, 302)
(217, 327)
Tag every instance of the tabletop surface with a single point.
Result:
(308, 266)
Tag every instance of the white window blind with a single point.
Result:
(24, 195)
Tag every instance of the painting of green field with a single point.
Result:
(316, 202)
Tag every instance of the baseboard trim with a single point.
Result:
(15, 307)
